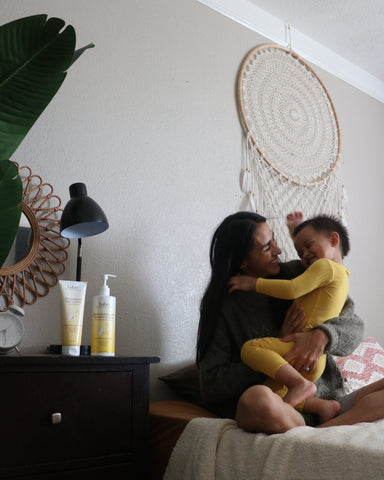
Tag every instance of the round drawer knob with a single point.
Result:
(56, 418)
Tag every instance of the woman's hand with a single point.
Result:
(308, 348)
(294, 321)
(242, 282)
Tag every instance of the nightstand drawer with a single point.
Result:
(95, 408)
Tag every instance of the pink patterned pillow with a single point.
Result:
(365, 365)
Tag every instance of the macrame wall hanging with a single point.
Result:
(292, 155)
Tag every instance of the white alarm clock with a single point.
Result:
(11, 328)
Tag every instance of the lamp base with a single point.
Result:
(57, 349)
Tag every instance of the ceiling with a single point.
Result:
(353, 29)
(344, 37)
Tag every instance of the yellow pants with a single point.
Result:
(266, 355)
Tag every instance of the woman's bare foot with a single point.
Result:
(327, 409)
(299, 392)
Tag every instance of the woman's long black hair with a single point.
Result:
(231, 243)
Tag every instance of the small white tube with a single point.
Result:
(72, 313)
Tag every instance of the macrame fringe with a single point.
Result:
(268, 193)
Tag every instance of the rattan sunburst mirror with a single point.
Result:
(26, 277)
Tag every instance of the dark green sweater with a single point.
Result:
(247, 315)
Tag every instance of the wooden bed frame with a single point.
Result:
(168, 420)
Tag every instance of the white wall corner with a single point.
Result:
(265, 24)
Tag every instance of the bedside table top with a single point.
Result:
(68, 360)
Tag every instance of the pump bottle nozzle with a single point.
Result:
(104, 290)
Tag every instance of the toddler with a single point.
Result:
(321, 243)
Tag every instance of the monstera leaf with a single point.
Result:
(11, 191)
(35, 54)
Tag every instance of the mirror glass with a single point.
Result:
(22, 243)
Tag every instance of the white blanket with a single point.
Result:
(216, 449)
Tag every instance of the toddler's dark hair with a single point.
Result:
(327, 224)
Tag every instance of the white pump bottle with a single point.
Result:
(103, 321)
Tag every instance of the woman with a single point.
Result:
(243, 243)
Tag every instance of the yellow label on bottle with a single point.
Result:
(103, 327)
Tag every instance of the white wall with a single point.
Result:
(148, 120)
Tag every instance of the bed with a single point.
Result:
(189, 442)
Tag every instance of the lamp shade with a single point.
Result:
(82, 216)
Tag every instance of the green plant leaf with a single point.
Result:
(34, 56)
(11, 192)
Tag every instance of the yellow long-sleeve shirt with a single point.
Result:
(321, 290)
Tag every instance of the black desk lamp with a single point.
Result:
(82, 217)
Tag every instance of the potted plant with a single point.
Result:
(35, 54)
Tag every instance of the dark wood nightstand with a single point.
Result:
(73, 417)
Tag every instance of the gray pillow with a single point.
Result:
(186, 383)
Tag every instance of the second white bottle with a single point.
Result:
(103, 321)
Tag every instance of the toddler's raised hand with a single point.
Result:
(293, 219)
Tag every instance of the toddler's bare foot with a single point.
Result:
(327, 410)
(300, 392)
